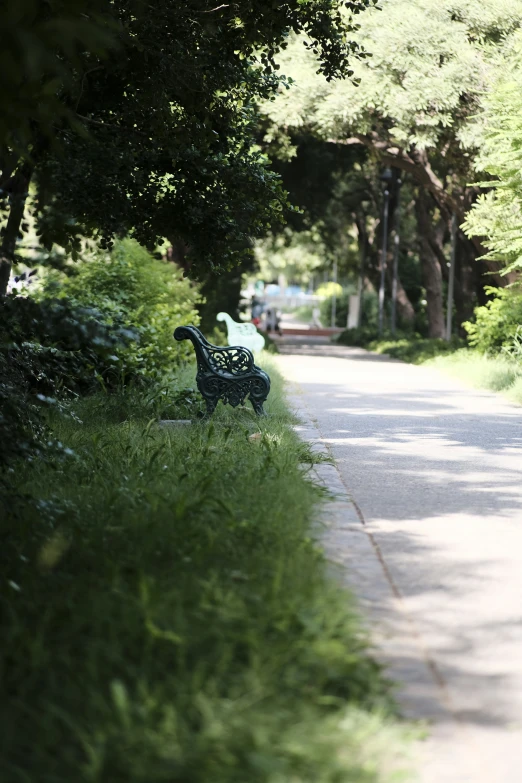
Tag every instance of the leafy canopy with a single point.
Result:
(496, 323)
(497, 214)
(160, 142)
(428, 64)
(45, 48)
(420, 92)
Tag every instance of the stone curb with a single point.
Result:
(344, 537)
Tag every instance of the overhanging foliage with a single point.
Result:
(160, 140)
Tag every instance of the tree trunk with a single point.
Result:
(431, 269)
(177, 253)
(405, 308)
(416, 163)
(472, 275)
(18, 197)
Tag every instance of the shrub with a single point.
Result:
(496, 323)
(132, 289)
(370, 309)
(329, 289)
(48, 350)
(303, 313)
(358, 338)
(513, 351)
(415, 349)
(341, 309)
(110, 322)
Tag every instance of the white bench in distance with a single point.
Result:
(243, 334)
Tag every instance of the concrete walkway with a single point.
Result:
(431, 541)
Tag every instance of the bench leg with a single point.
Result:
(258, 407)
(211, 406)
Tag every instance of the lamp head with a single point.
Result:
(387, 177)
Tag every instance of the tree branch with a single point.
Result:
(82, 83)
(218, 8)
(115, 126)
(416, 163)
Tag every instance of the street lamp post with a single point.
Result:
(396, 241)
(360, 284)
(451, 284)
(334, 296)
(386, 179)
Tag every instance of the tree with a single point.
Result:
(45, 46)
(496, 217)
(336, 189)
(157, 139)
(415, 108)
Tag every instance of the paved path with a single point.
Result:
(432, 544)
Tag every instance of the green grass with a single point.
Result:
(495, 373)
(166, 615)
(500, 373)
(414, 350)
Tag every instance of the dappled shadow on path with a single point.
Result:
(436, 471)
(462, 664)
(302, 347)
(414, 456)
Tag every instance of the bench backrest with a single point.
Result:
(244, 334)
(235, 360)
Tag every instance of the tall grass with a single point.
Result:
(495, 373)
(500, 372)
(415, 350)
(166, 613)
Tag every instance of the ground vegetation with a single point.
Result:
(182, 623)
(166, 611)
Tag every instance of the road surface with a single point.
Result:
(434, 470)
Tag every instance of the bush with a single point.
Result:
(405, 346)
(48, 351)
(341, 309)
(415, 350)
(108, 323)
(166, 616)
(329, 289)
(496, 323)
(370, 309)
(303, 313)
(132, 289)
(358, 338)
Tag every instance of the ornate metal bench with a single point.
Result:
(242, 334)
(228, 374)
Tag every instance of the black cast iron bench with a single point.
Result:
(226, 373)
